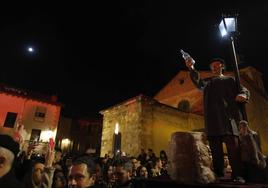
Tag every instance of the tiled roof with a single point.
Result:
(9, 90)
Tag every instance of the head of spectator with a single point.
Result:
(59, 180)
(58, 154)
(150, 155)
(104, 160)
(58, 163)
(82, 173)
(98, 171)
(143, 172)
(33, 177)
(226, 161)
(136, 163)
(110, 171)
(156, 167)
(109, 174)
(142, 156)
(123, 173)
(8, 152)
(37, 171)
(163, 155)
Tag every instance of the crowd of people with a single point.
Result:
(56, 170)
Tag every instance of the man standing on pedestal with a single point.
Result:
(222, 114)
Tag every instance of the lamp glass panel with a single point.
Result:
(230, 26)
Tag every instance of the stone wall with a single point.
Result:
(144, 123)
(128, 117)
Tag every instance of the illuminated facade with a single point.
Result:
(144, 123)
(39, 114)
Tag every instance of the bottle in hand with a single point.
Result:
(186, 56)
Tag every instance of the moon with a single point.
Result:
(30, 49)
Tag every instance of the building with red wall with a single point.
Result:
(38, 113)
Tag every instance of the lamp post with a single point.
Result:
(117, 140)
(228, 29)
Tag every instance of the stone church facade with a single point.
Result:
(149, 122)
(144, 123)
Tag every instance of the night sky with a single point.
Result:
(95, 55)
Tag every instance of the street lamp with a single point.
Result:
(228, 29)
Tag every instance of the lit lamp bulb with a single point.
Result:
(116, 130)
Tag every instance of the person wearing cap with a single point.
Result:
(221, 114)
(8, 153)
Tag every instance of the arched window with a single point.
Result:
(184, 105)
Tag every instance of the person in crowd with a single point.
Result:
(143, 172)
(42, 171)
(164, 158)
(123, 174)
(104, 161)
(222, 114)
(8, 153)
(82, 173)
(109, 175)
(99, 177)
(227, 167)
(254, 162)
(58, 163)
(136, 164)
(142, 157)
(59, 180)
(150, 155)
(157, 170)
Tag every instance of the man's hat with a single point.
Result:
(219, 60)
(7, 142)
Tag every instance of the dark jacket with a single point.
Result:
(222, 112)
(9, 181)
